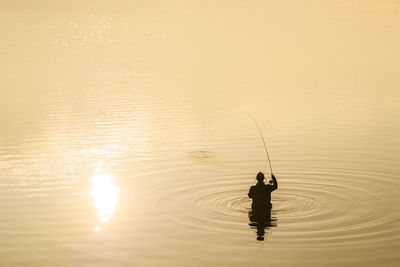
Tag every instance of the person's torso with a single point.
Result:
(262, 194)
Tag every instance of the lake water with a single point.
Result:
(126, 141)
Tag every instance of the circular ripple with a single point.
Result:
(312, 208)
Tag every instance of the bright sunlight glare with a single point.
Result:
(105, 195)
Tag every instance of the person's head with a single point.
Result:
(260, 177)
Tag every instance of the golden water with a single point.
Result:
(125, 138)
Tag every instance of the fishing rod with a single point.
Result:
(265, 145)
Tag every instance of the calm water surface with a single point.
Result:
(125, 138)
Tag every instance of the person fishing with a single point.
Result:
(261, 192)
(260, 214)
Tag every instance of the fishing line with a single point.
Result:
(262, 137)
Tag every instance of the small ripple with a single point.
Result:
(200, 154)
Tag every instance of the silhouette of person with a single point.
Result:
(261, 193)
(260, 215)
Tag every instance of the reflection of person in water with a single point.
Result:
(261, 206)
(261, 220)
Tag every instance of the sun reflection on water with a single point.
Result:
(105, 195)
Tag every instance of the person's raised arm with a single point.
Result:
(274, 182)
